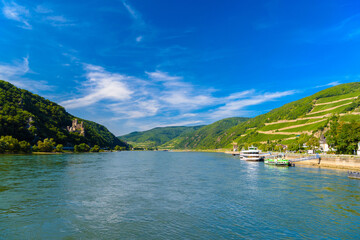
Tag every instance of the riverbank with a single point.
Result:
(342, 162)
(330, 161)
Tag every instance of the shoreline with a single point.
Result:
(328, 161)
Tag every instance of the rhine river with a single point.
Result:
(172, 195)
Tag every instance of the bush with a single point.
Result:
(12, 145)
(118, 148)
(25, 147)
(46, 146)
(59, 148)
(81, 148)
(95, 148)
(35, 148)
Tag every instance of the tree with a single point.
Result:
(294, 147)
(59, 148)
(81, 148)
(95, 148)
(313, 143)
(10, 144)
(2, 147)
(25, 147)
(344, 137)
(46, 146)
(118, 148)
(35, 148)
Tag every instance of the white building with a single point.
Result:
(323, 145)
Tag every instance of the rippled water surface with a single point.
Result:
(170, 195)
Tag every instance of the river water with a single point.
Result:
(172, 195)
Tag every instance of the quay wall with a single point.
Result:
(346, 162)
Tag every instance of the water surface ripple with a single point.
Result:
(171, 195)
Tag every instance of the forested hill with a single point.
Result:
(208, 137)
(204, 137)
(156, 136)
(308, 118)
(27, 116)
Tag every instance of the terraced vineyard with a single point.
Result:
(314, 121)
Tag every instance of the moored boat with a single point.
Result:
(354, 175)
(278, 161)
(252, 154)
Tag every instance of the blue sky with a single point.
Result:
(138, 64)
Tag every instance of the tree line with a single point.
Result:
(9, 144)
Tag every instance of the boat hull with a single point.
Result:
(278, 162)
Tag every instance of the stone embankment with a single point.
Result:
(346, 162)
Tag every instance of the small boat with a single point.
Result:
(354, 175)
(252, 154)
(278, 161)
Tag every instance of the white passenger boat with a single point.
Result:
(252, 154)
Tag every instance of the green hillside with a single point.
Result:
(156, 136)
(208, 137)
(308, 117)
(30, 117)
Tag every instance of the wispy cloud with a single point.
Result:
(331, 84)
(234, 107)
(58, 21)
(133, 13)
(41, 14)
(139, 27)
(15, 72)
(100, 85)
(347, 29)
(160, 99)
(8, 71)
(139, 38)
(43, 9)
(18, 13)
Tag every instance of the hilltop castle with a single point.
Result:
(77, 127)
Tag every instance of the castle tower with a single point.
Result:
(77, 127)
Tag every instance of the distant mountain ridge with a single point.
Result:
(308, 116)
(178, 137)
(156, 136)
(30, 117)
(208, 137)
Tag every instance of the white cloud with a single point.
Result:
(14, 73)
(239, 95)
(161, 98)
(100, 85)
(18, 13)
(8, 71)
(41, 14)
(133, 13)
(233, 108)
(43, 9)
(139, 38)
(57, 19)
(331, 84)
(162, 76)
(136, 109)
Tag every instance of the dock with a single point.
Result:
(279, 160)
(233, 153)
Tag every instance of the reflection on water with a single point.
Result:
(166, 195)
